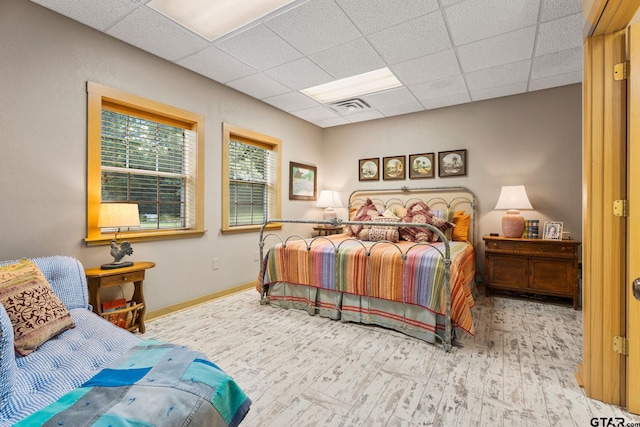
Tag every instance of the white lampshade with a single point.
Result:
(329, 199)
(513, 198)
(116, 215)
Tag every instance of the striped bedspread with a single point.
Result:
(418, 280)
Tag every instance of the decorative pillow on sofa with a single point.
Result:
(461, 230)
(419, 213)
(367, 212)
(36, 312)
(376, 233)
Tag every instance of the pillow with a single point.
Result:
(461, 230)
(365, 213)
(419, 213)
(36, 313)
(447, 215)
(375, 233)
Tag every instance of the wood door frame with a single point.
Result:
(603, 372)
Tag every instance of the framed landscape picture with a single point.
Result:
(452, 163)
(302, 182)
(393, 167)
(369, 169)
(422, 166)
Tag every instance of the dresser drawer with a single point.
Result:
(540, 248)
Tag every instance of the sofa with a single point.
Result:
(85, 359)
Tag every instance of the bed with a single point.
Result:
(371, 275)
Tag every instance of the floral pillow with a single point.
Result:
(35, 311)
(367, 212)
(420, 213)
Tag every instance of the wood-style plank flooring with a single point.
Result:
(301, 370)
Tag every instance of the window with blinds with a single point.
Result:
(144, 152)
(251, 177)
(151, 164)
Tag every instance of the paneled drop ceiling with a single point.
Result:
(445, 52)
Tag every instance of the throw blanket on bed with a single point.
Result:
(382, 274)
(154, 384)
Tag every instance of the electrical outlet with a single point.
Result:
(256, 256)
(216, 263)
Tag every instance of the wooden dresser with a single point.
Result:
(544, 267)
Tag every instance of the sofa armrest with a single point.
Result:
(67, 279)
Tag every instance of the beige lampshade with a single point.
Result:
(117, 215)
(513, 198)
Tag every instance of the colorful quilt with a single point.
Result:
(402, 272)
(154, 384)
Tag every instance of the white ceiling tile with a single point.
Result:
(440, 88)
(259, 47)
(397, 110)
(555, 81)
(557, 63)
(375, 15)
(349, 59)
(291, 101)
(315, 113)
(300, 27)
(413, 39)
(217, 65)
(361, 117)
(258, 86)
(475, 20)
(447, 101)
(98, 14)
(552, 9)
(157, 34)
(560, 34)
(391, 97)
(498, 50)
(334, 121)
(299, 74)
(427, 68)
(503, 75)
(498, 92)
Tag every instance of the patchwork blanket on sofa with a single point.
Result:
(155, 383)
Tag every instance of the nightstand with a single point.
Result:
(544, 267)
(327, 231)
(132, 317)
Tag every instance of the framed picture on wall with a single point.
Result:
(393, 168)
(422, 166)
(552, 231)
(452, 163)
(369, 169)
(302, 182)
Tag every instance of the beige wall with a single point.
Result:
(46, 59)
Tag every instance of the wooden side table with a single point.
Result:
(544, 267)
(327, 231)
(98, 279)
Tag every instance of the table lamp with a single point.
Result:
(329, 199)
(512, 198)
(118, 215)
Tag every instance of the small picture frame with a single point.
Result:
(422, 166)
(302, 181)
(393, 168)
(369, 169)
(452, 163)
(552, 230)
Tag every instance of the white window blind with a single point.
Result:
(252, 178)
(152, 164)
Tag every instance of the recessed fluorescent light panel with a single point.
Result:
(361, 84)
(215, 18)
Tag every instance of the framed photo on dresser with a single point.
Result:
(552, 230)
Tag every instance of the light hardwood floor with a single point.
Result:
(299, 370)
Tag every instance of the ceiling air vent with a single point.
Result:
(350, 106)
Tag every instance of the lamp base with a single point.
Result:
(114, 265)
(328, 215)
(513, 224)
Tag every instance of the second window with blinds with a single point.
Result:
(250, 179)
